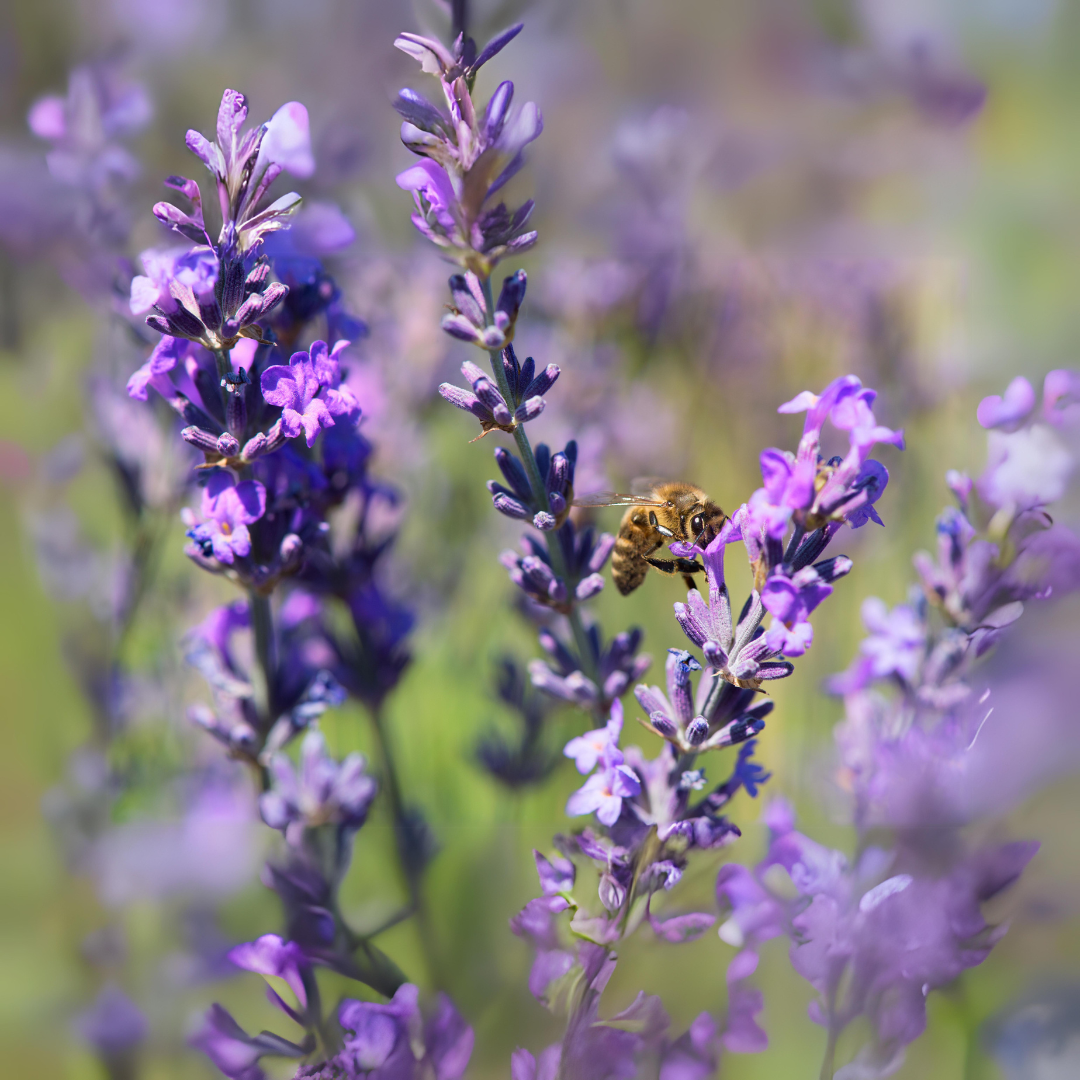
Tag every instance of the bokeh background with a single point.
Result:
(737, 200)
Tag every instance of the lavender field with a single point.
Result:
(540, 540)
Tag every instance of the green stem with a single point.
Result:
(262, 626)
(540, 495)
(402, 830)
(828, 1064)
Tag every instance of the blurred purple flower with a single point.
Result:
(323, 792)
(113, 1024)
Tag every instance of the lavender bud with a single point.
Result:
(201, 439)
(497, 108)
(836, 567)
(589, 587)
(228, 445)
(467, 300)
(697, 730)
(544, 521)
(663, 726)
(460, 327)
(236, 411)
(508, 505)
(255, 446)
(512, 294)
(557, 504)
(529, 409)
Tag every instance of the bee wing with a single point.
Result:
(646, 485)
(611, 498)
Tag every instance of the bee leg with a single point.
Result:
(665, 566)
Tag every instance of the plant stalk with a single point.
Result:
(540, 495)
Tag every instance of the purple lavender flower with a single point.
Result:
(244, 164)
(228, 509)
(113, 1025)
(468, 320)
(195, 268)
(589, 749)
(617, 665)
(235, 1052)
(309, 391)
(324, 792)
(393, 1041)
(896, 646)
(270, 955)
(604, 791)
(1009, 411)
(790, 601)
(469, 155)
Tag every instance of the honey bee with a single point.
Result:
(667, 511)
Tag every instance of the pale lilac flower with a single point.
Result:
(271, 955)
(196, 268)
(323, 792)
(587, 750)
(1009, 411)
(604, 791)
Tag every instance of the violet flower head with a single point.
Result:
(244, 164)
(604, 791)
(228, 509)
(309, 391)
(195, 268)
(468, 154)
(83, 127)
(394, 1041)
(322, 792)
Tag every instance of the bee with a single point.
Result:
(667, 511)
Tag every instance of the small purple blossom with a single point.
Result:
(228, 509)
(309, 391)
(1009, 411)
(270, 955)
(790, 602)
(589, 749)
(322, 792)
(604, 791)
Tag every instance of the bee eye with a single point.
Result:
(698, 524)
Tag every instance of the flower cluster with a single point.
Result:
(469, 154)
(875, 937)
(278, 432)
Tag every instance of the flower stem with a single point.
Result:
(262, 626)
(828, 1064)
(411, 865)
(540, 494)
